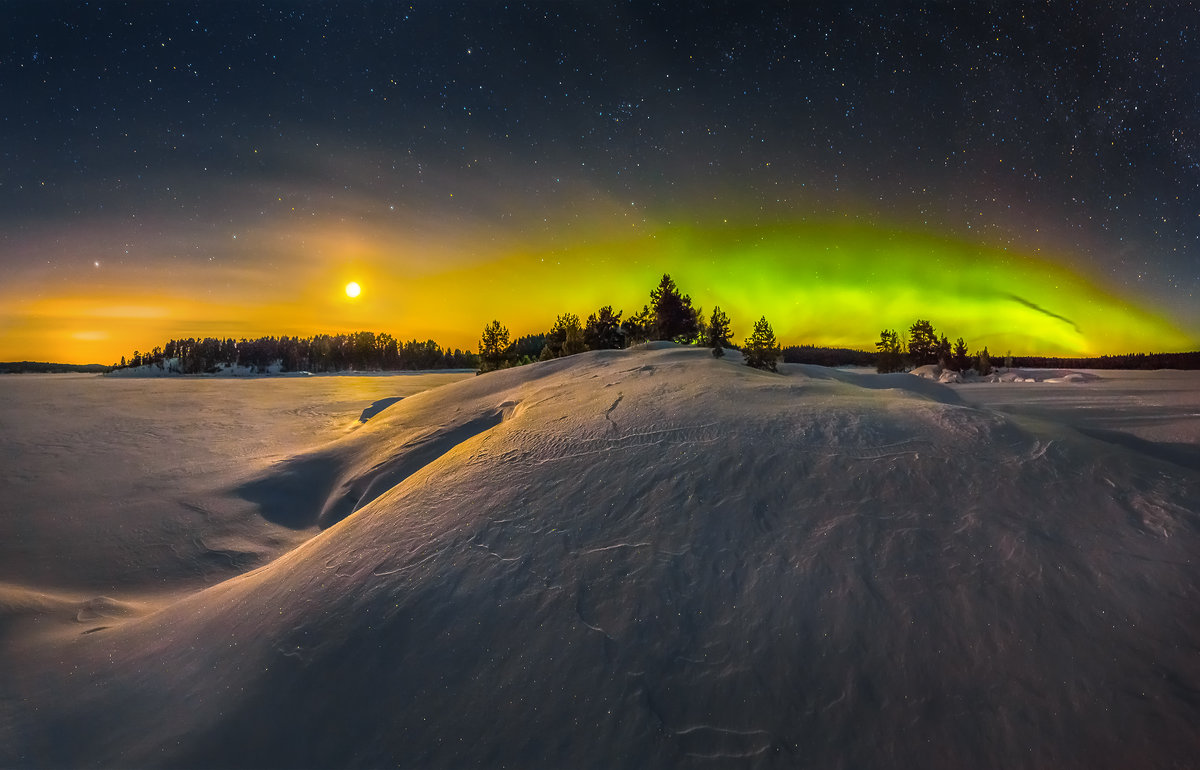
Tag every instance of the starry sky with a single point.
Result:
(1025, 175)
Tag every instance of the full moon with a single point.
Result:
(353, 289)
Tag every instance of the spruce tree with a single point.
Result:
(943, 352)
(565, 338)
(760, 349)
(983, 363)
(891, 353)
(493, 347)
(637, 328)
(960, 359)
(674, 318)
(603, 330)
(573, 339)
(922, 343)
(718, 332)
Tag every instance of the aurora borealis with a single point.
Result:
(1023, 176)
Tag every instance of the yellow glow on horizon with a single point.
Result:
(833, 285)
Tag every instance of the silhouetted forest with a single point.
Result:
(358, 351)
(810, 354)
(1127, 361)
(42, 367)
(922, 345)
(669, 315)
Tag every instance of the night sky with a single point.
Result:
(1026, 175)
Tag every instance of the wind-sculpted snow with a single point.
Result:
(323, 488)
(654, 559)
(377, 407)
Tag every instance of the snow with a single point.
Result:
(648, 557)
(164, 368)
(135, 479)
(171, 367)
(949, 377)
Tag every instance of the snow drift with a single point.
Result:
(654, 558)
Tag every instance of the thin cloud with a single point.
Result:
(1044, 311)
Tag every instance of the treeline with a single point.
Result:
(1127, 361)
(42, 367)
(810, 354)
(357, 351)
(923, 346)
(669, 315)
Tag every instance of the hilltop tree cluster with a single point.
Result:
(923, 346)
(669, 315)
(359, 351)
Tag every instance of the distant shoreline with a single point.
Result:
(796, 354)
(44, 367)
(23, 367)
(229, 375)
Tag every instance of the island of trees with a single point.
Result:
(46, 367)
(923, 346)
(669, 315)
(358, 351)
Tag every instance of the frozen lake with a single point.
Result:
(122, 478)
(1158, 406)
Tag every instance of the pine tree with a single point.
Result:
(493, 347)
(603, 330)
(760, 348)
(891, 353)
(674, 318)
(718, 332)
(637, 328)
(961, 359)
(943, 352)
(565, 338)
(922, 343)
(573, 339)
(983, 363)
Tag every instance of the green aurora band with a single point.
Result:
(834, 285)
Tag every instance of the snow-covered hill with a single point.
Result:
(653, 558)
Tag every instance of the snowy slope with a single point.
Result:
(654, 558)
